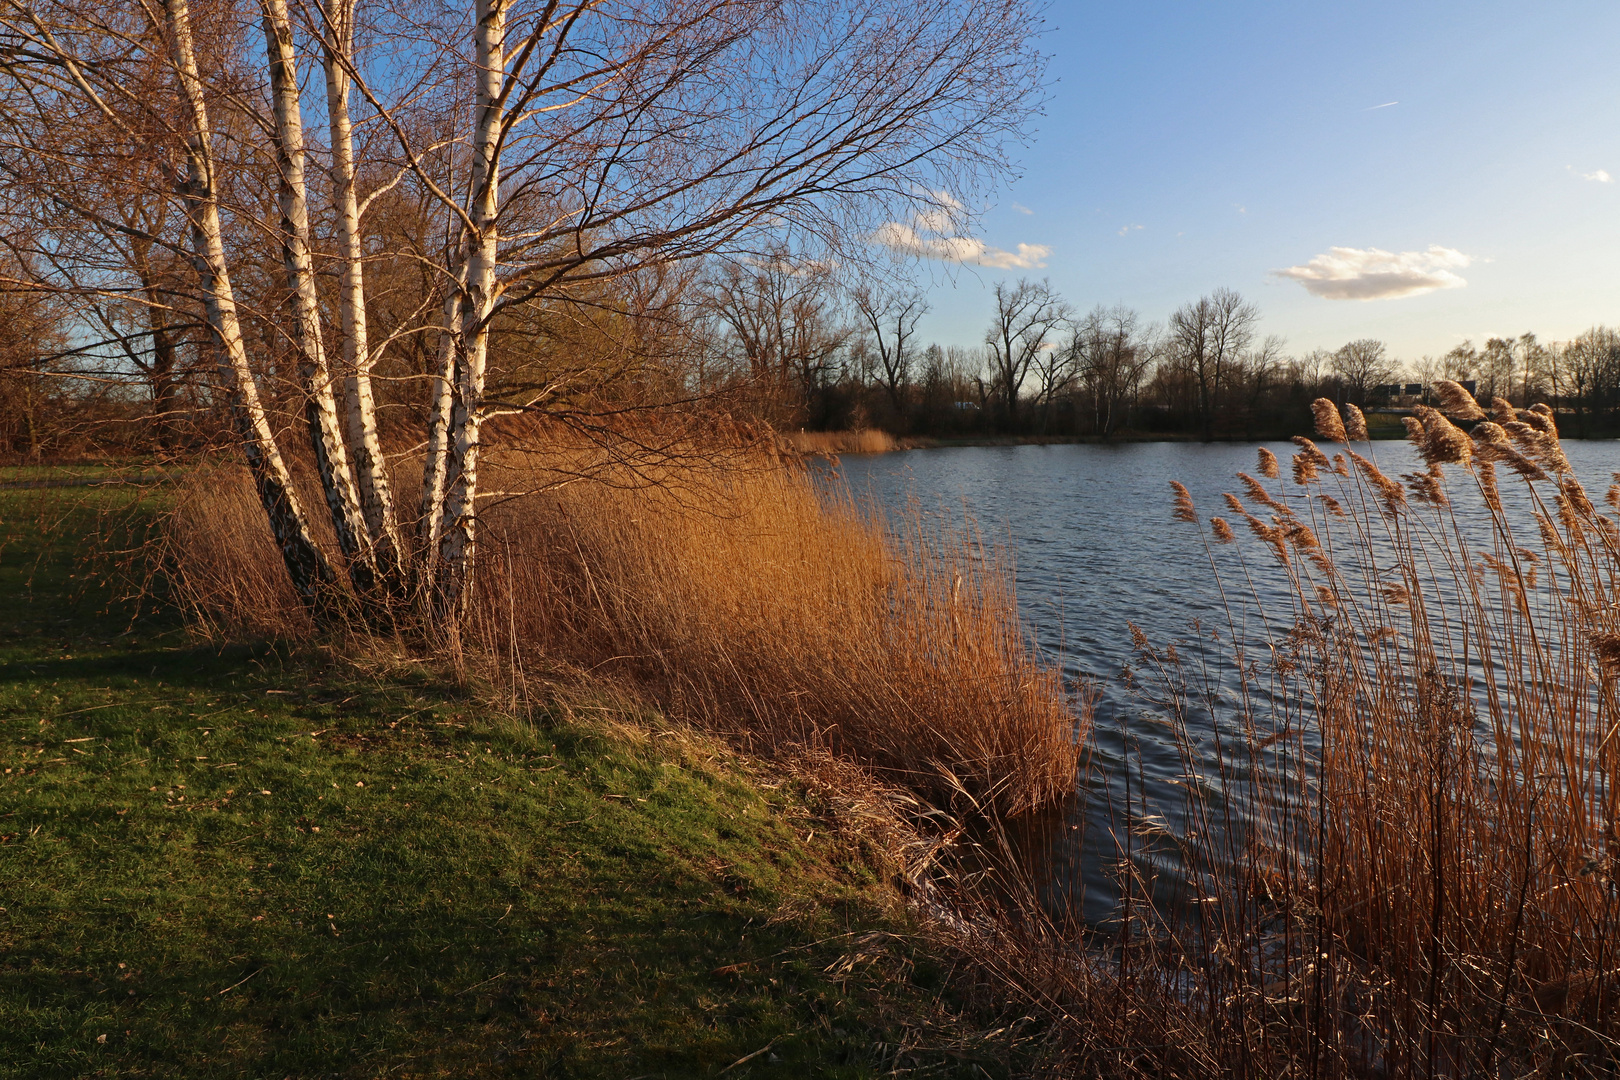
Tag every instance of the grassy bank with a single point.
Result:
(267, 861)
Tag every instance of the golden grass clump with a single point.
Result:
(779, 613)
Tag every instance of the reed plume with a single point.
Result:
(1355, 423)
(1329, 427)
(1457, 403)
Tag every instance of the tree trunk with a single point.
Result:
(320, 406)
(307, 565)
(370, 467)
(458, 530)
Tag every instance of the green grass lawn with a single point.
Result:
(261, 861)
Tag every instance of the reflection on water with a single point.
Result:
(1096, 550)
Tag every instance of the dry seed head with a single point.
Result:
(1539, 445)
(1414, 430)
(1304, 469)
(1355, 424)
(1426, 486)
(1610, 531)
(1184, 503)
(1534, 419)
(1259, 494)
(1442, 442)
(1543, 410)
(1458, 402)
(1391, 493)
(1502, 410)
(1396, 594)
(1327, 596)
(1323, 563)
(1613, 497)
(1576, 494)
(1606, 646)
(1235, 503)
(1333, 505)
(1302, 537)
(1340, 465)
(1319, 459)
(1569, 516)
(1549, 535)
(1329, 427)
(1485, 471)
(1268, 464)
(1222, 531)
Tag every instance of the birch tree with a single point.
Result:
(563, 145)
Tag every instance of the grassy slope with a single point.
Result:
(251, 862)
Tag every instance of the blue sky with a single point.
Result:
(1188, 146)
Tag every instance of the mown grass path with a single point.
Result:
(257, 861)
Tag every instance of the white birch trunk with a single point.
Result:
(436, 467)
(320, 405)
(370, 467)
(311, 574)
(458, 529)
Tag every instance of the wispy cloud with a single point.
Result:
(1021, 208)
(934, 234)
(1385, 105)
(1126, 230)
(1600, 176)
(1346, 273)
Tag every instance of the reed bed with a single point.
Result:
(857, 441)
(762, 605)
(1396, 854)
(750, 600)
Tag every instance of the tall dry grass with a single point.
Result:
(1396, 853)
(778, 612)
(748, 600)
(856, 441)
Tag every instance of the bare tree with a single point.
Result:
(782, 317)
(1115, 355)
(1361, 365)
(1029, 317)
(892, 317)
(1209, 336)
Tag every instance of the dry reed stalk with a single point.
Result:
(1426, 878)
(1399, 848)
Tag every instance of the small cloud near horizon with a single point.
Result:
(1021, 208)
(1385, 105)
(1125, 230)
(932, 234)
(1600, 176)
(1346, 273)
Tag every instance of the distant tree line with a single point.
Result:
(825, 356)
(777, 338)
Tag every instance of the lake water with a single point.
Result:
(1096, 549)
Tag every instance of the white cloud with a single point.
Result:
(1125, 230)
(1373, 274)
(932, 234)
(1601, 176)
(1021, 208)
